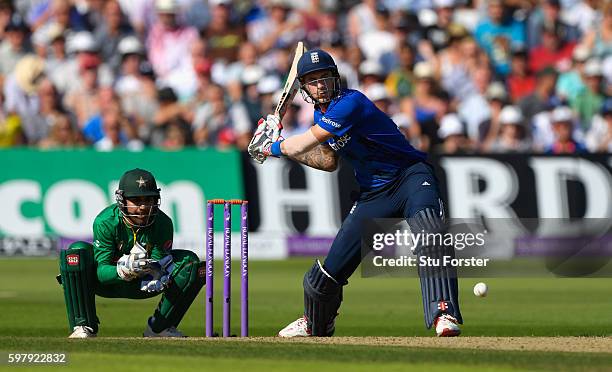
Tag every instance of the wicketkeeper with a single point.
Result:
(131, 257)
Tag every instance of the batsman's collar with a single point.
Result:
(138, 182)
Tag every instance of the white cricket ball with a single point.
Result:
(480, 290)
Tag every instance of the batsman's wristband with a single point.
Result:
(275, 150)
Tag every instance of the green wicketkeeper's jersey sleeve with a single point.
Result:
(104, 253)
(162, 241)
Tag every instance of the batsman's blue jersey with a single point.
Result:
(368, 138)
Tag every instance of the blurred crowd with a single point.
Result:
(457, 76)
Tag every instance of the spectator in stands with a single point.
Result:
(110, 32)
(142, 105)
(499, 34)
(118, 132)
(488, 130)
(377, 93)
(15, 44)
(425, 107)
(169, 42)
(10, 128)
(267, 86)
(177, 136)
(570, 83)
(544, 91)
(223, 36)
(452, 133)
(83, 48)
(62, 134)
(361, 19)
(250, 76)
(279, 28)
(438, 35)
(512, 132)
(547, 16)
(588, 102)
(370, 72)
(62, 12)
(473, 108)
(599, 137)
(598, 39)
(451, 65)
(217, 124)
(82, 100)
(193, 76)
(328, 31)
(6, 14)
(49, 110)
(521, 81)
(170, 112)
(562, 120)
(400, 81)
(553, 51)
(20, 92)
(582, 15)
(131, 52)
(379, 43)
(247, 57)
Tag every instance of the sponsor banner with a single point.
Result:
(59, 193)
(261, 246)
(293, 209)
(28, 245)
(289, 199)
(304, 245)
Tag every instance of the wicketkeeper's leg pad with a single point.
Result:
(322, 299)
(78, 278)
(439, 286)
(187, 280)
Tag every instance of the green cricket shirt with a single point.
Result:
(113, 238)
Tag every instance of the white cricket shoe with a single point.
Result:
(82, 332)
(168, 332)
(298, 328)
(446, 326)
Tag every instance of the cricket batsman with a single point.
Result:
(131, 257)
(394, 179)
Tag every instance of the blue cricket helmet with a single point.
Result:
(315, 60)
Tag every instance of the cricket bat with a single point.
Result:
(292, 85)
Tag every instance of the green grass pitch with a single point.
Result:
(33, 319)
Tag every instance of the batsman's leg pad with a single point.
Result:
(322, 299)
(187, 280)
(439, 286)
(78, 279)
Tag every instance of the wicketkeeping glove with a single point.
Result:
(133, 265)
(158, 275)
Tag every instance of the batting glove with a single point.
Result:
(274, 124)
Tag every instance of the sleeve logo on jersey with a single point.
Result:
(314, 57)
(340, 142)
(330, 122)
(72, 259)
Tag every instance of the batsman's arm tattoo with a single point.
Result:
(320, 157)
